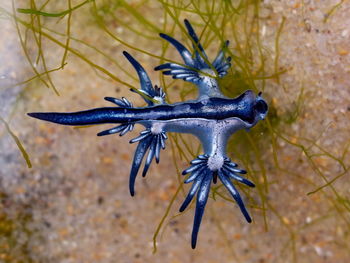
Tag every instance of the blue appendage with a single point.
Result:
(147, 141)
(201, 177)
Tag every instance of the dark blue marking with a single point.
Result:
(202, 198)
(140, 152)
(235, 194)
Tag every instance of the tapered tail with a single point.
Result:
(88, 117)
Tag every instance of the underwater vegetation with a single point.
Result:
(298, 161)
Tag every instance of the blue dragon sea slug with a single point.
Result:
(212, 118)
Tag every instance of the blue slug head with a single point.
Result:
(248, 107)
(261, 108)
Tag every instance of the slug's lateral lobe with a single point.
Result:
(197, 68)
(212, 118)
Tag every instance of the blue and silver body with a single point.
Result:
(212, 118)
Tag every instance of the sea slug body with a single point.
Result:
(212, 118)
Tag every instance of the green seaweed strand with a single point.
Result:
(18, 142)
(41, 13)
